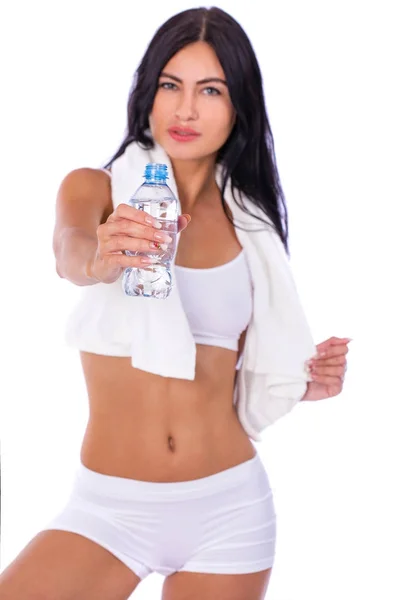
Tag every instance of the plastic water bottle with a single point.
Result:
(155, 197)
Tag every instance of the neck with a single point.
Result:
(195, 180)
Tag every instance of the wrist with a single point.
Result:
(306, 393)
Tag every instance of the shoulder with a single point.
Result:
(85, 182)
(86, 187)
(87, 176)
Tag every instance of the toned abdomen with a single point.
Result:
(153, 428)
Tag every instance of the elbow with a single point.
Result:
(58, 270)
(57, 246)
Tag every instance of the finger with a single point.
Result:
(123, 243)
(331, 351)
(336, 340)
(183, 222)
(328, 371)
(124, 227)
(330, 361)
(123, 260)
(124, 211)
(329, 381)
(333, 341)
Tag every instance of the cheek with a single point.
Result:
(159, 112)
(221, 122)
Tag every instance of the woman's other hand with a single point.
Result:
(327, 369)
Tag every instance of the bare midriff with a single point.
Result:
(151, 428)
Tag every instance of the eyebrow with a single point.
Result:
(202, 81)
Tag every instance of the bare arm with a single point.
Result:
(83, 203)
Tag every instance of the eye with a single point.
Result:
(211, 91)
(167, 85)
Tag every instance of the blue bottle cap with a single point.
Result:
(156, 172)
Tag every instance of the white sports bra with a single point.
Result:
(217, 301)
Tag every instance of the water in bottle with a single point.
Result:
(155, 197)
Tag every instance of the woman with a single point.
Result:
(170, 480)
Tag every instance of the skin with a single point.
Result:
(142, 426)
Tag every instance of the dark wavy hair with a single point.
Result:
(248, 156)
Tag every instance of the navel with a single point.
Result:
(171, 443)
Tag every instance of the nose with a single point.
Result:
(186, 109)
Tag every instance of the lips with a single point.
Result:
(183, 134)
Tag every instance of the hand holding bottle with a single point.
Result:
(128, 229)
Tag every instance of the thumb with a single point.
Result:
(183, 222)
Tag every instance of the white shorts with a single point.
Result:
(224, 523)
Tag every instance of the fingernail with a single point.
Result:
(159, 246)
(153, 222)
(163, 237)
(146, 261)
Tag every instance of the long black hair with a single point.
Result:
(248, 156)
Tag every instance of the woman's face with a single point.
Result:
(192, 115)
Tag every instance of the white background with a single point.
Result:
(330, 75)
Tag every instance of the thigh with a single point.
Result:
(66, 566)
(198, 586)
